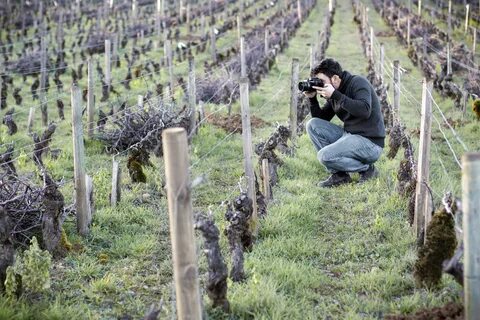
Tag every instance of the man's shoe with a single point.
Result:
(335, 180)
(368, 174)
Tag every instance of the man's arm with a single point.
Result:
(325, 113)
(360, 104)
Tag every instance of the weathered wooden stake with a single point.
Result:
(89, 195)
(474, 45)
(201, 112)
(184, 254)
(382, 61)
(43, 82)
(449, 59)
(449, 20)
(247, 150)
(396, 88)
(471, 234)
(408, 32)
(467, 9)
(330, 5)
(108, 64)
(168, 55)
(79, 163)
(192, 96)
(243, 63)
(140, 102)
(31, 116)
(293, 97)
(90, 99)
(299, 11)
(134, 10)
(419, 8)
(213, 45)
(423, 208)
(266, 179)
(266, 45)
(239, 26)
(115, 196)
(115, 48)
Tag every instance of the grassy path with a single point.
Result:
(345, 253)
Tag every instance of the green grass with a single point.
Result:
(345, 253)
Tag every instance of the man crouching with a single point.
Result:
(356, 146)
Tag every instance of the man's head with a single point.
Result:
(329, 71)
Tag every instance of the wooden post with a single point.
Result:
(212, 44)
(43, 81)
(266, 47)
(247, 149)
(79, 163)
(201, 112)
(192, 96)
(115, 49)
(134, 10)
(158, 18)
(423, 214)
(449, 20)
(449, 59)
(239, 27)
(299, 11)
(266, 179)
(282, 32)
(419, 8)
(107, 63)
(293, 97)
(180, 9)
(188, 18)
(31, 116)
(168, 55)
(89, 195)
(243, 63)
(396, 88)
(474, 45)
(210, 12)
(471, 236)
(90, 99)
(467, 9)
(408, 32)
(140, 102)
(115, 196)
(330, 6)
(184, 254)
(382, 62)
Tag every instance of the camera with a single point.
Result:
(307, 85)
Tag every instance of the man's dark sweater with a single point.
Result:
(356, 104)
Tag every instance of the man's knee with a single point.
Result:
(325, 155)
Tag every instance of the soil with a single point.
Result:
(234, 122)
(450, 311)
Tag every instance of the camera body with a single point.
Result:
(307, 85)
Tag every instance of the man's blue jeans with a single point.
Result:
(339, 150)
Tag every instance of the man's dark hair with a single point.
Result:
(328, 67)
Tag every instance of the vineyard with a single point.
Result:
(155, 164)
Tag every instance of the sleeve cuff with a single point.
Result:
(336, 95)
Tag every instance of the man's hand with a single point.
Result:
(325, 91)
(310, 94)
